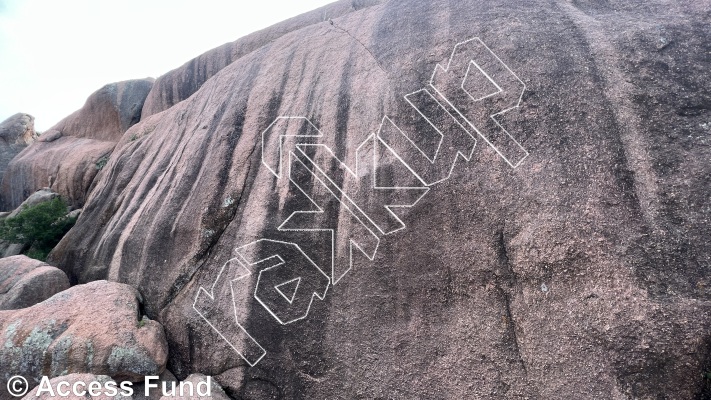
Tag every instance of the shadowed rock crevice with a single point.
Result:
(343, 107)
(705, 384)
(509, 288)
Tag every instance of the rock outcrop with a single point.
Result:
(68, 156)
(18, 129)
(25, 282)
(94, 328)
(16, 133)
(580, 274)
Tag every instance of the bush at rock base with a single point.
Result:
(41, 225)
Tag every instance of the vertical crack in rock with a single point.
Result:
(363, 46)
(203, 254)
(506, 284)
(180, 284)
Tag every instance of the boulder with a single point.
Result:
(25, 282)
(93, 328)
(74, 214)
(40, 196)
(18, 129)
(8, 249)
(108, 112)
(82, 381)
(567, 259)
(16, 133)
(69, 155)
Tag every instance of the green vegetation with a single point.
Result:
(101, 163)
(41, 226)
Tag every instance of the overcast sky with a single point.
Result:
(54, 54)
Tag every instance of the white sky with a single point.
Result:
(54, 54)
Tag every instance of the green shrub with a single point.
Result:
(37, 254)
(101, 163)
(41, 226)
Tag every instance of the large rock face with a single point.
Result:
(68, 156)
(94, 328)
(181, 83)
(580, 274)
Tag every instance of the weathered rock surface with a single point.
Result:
(580, 274)
(93, 328)
(16, 133)
(181, 83)
(25, 282)
(81, 380)
(69, 155)
(108, 112)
